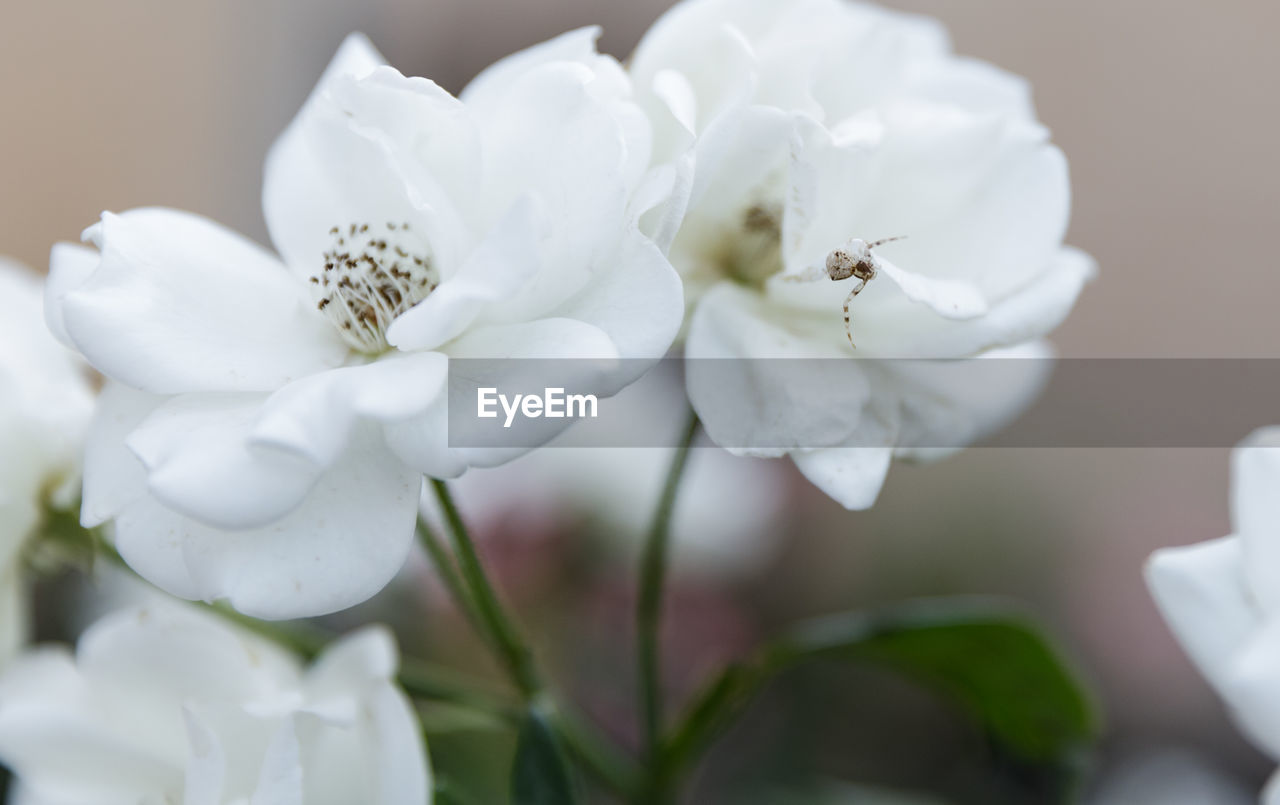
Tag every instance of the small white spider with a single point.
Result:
(853, 259)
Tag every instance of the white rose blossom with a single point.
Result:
(164, 704)
(45, 405)
(268, 419)
(815, 129)
(1222, 598)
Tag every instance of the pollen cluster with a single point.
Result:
(371, 275)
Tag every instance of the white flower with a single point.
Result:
(163, 704)
(1222, 598)
(1169, 777)
(45, 404)
(815, 129)
(269, 419)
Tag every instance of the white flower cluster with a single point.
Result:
(801, 179)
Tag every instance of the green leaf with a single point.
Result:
(540, 775)
(988, 658)
(985, 656)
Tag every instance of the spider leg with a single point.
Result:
(883, 241)
(857, 289)
(810, 274)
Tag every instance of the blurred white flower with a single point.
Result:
(727, 516)
(1169, 777)
(45, 405)
(269, 419)
(727, 519)
(164, 704)
(1222, 598)
(813, 130)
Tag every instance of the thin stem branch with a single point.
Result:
(653, 570)
(474, 593)
(513, 651)
(422, 680)
(443, 562)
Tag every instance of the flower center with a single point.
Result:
(754, 251)
(372, 274)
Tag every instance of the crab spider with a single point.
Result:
(853, 259)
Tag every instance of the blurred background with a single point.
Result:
(1168, 113)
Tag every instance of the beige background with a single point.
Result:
(1167, 109)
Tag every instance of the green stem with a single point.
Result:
(597, 755)
(653, 569)
(443, 562)
(425, 681)
(514, 653)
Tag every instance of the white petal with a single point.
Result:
(550, 135)
(882, 327)
(852, 476)
(498, 268)
(402, 774)
(947, 182)
(510, 356)
(358, 659)
(206, 764)
(1252, 687)
(1030, 313)
(564, 353)
(298, 200)
(281, 779)
(314, 418)
(609, 85)
(423, 443)
(638, 300)
(1200, 590)
(180, 304)
(393, 148)
(163, 652)
(113, 475)
(542, 339)
(950, 404)
(70, 265)
(200, 462)
(746, 400)
(340, 546)
(705, 43)
(735, 157)
(1255, 509)
(58, 741)
(578, 46)
(1271, 795)
(951, 299)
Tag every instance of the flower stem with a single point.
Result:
(515, 654)
(653, 570)
(473, 592)
(443, 562)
